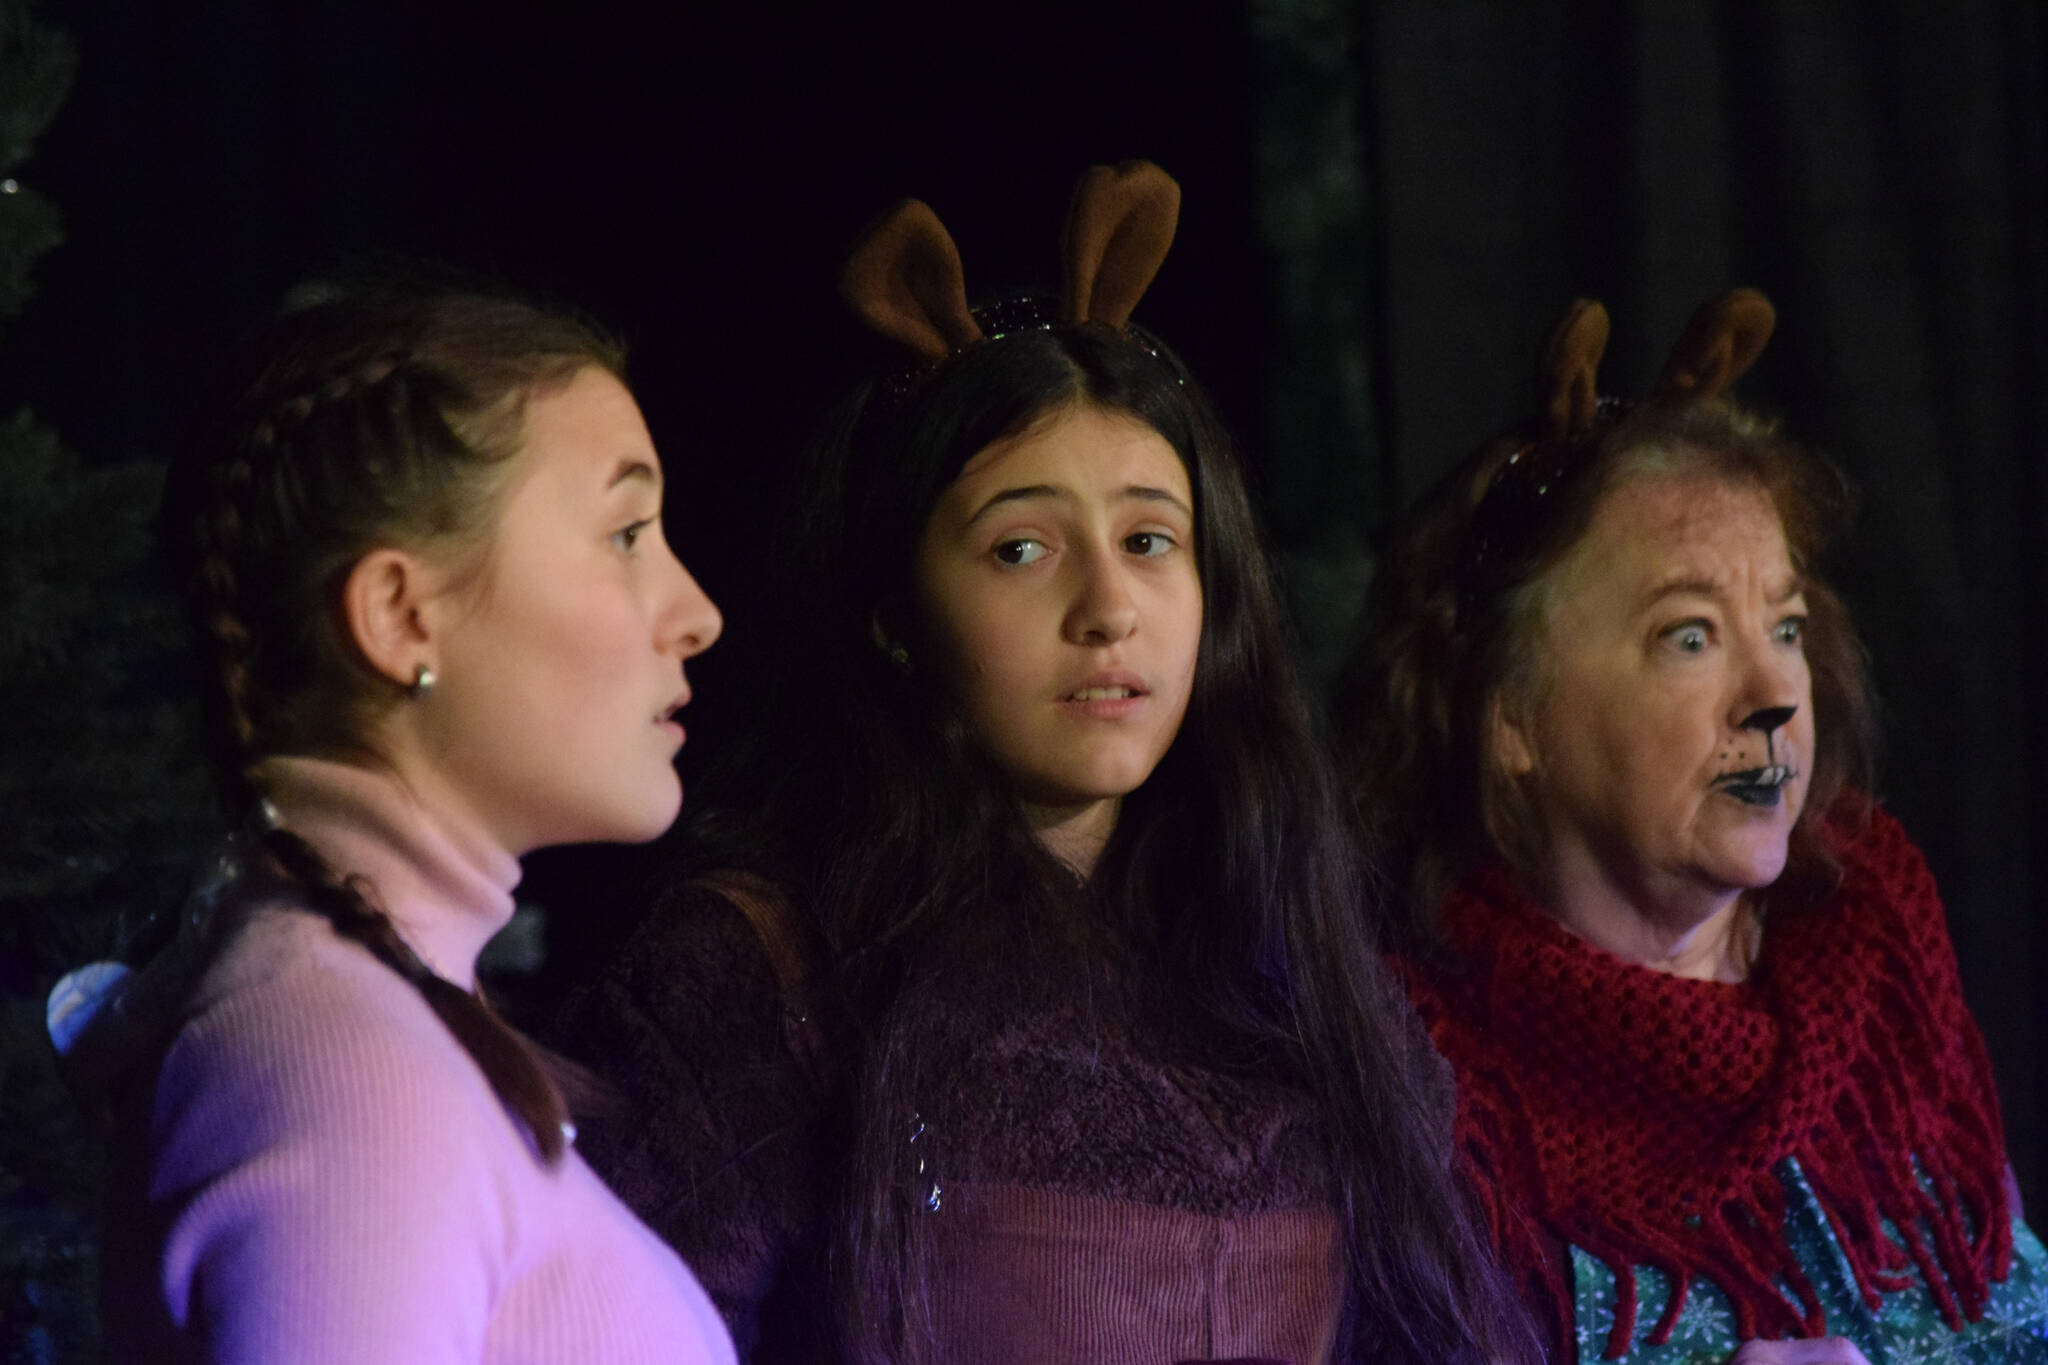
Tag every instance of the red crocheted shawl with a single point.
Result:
(1641, 1116)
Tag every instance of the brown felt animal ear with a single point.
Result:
(1119, 226)
(903, 279)
(1720, 343)
(1571, 369)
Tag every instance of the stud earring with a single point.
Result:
(423, 680)
(897, 653)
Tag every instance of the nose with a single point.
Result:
(1768, 718)
(1103, 611)
(1771, 680)
(688, 621)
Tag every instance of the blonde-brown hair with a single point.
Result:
(339, 428)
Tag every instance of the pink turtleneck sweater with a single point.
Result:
(328, 1176)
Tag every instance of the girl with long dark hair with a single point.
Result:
(1050, 1022)
(422, 544)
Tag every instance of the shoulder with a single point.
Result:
(298, 1036)
(715, 1139)
(696, 958)
(701, 926)
(691, 1024)
(325, 1165)
(290, 981)
(1885, 880)
(1872, 844)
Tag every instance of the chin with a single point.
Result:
(662, 815)
(1753, 869)
(1124, 774)
(640, 822)
(1753, 854)
(1069, 790)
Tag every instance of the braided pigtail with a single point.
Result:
(346, 426)
(516, 1069)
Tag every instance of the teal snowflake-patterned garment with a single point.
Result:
(1908, 1330)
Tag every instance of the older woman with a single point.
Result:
(1718, 1082)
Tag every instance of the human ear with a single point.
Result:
(384, 600)
(1507, 740)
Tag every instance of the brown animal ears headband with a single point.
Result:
(904, 277)
(1717, 347)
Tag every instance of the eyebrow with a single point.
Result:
(1136, 492)
(1686, 586)
(633, 468)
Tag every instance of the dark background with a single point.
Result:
(1386, 206)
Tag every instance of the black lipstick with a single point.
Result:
(1756, 786)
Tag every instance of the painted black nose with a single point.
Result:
(1768, 718)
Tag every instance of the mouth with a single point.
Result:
(1103, 694)
(670, 716)
(1764, 787)
(1107, 695)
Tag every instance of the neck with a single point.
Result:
(1076, 835)
(1702, 934)
(444, 882)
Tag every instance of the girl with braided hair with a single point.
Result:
(1049, 1025)
(422, 543)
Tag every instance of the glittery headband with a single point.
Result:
(904, 278)
(1523, 490)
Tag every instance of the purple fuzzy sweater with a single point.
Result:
(1103, 1193)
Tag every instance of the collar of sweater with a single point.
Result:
(446, 885)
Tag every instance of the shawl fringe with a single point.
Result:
(1643, 1118)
